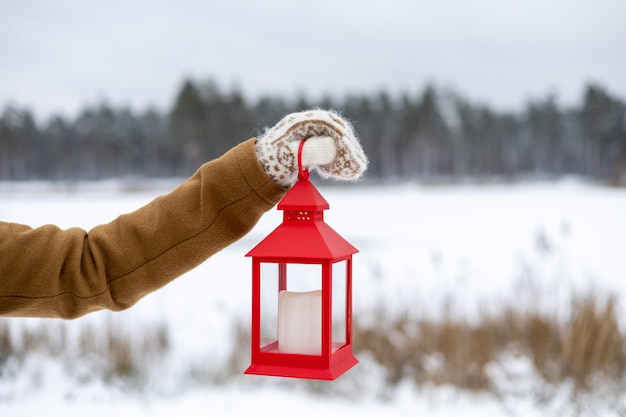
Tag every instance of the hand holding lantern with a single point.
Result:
(331, 147)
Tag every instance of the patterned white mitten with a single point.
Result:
(331, 147)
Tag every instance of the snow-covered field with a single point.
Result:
(468, 247)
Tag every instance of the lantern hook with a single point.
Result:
(303, 173)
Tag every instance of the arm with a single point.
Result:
(48, 272)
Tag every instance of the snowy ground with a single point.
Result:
(468, 247)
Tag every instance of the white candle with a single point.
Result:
(300, 322)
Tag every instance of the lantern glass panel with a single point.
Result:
(304, 277)
(340, 271)
(269, 303)
(300, 309)
(299, 330)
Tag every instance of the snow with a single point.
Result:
(468, 247)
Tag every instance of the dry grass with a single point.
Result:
(587, 348)
(108, 351)
(592, 344)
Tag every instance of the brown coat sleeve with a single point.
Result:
(48, 272)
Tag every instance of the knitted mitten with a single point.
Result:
(331, 147)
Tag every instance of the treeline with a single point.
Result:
(435, 134)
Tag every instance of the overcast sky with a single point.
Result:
(57, 56)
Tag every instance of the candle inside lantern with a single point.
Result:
(300, 322)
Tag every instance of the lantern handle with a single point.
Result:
(303, 173)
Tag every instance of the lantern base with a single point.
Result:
(328, 374)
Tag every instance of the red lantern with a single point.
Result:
(302, 292)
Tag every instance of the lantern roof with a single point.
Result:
(303, 233)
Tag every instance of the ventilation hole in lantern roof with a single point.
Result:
(299, 216)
